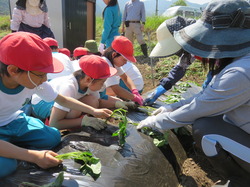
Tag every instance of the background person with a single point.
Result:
(220, 113)
(31, 16)
(134, 19)
(111, 22)
(91, 45)
(65, 51)
(68, 67)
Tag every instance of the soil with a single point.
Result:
(196, 170)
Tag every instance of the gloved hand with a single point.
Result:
(125, 105)
(101, 48)
(185, 60)
(93, 122)
(162, 109)
(148, 122)
(137, 97)
(152, 97)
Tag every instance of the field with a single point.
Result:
(196, 170)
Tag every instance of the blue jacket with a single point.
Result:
(111, 24)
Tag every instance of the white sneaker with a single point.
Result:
(224, 185)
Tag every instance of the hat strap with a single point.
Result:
(238, 19)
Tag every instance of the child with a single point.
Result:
(83, 85)
(91, 45)
(65, 51)
(25, 61)
(64, 59)
(31, 16)
(116, 56)
(77, 54)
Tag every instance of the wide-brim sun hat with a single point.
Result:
(124, 46)
(96, 67)
(28, 52)
(167, 46)
(222, 32)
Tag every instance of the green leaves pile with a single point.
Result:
(90, 165)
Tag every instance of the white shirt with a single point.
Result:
(66, 86)
(135, 75)
(12, 100)
(68, 67)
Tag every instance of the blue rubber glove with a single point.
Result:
(151, 98)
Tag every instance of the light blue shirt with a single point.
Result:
(134, 11)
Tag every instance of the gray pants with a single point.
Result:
(226, 147)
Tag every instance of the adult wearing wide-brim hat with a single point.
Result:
(167, 46)
(31, 16)
(220, 113)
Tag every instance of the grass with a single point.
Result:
(163, 66)
(4, 25)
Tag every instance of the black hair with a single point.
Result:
(53, 47)
(216, 65)
(111, 3)
(4, 71)
(108, 54)
(79, 75)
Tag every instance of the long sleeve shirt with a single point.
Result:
(111, 24)
(227, 94)
(26, 18)
(134, 11)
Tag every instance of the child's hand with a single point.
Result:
(46, 159)
(102, 113)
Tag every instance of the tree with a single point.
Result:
(179, 3)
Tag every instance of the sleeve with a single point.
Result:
(224, 95)
(108, 21)
(124, 13)
(46, 92)
(174, 76)
(111, 81)
(46, 20)
(68, 91)
(16, 19)
(143, 14)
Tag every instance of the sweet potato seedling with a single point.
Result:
(121, 132)
(90, 165)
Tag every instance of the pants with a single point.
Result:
(227, 148)
(26, 132)
(42, 109)
(134, 28)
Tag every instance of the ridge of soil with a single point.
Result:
(196, 170)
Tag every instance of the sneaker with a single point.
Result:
(222, 185)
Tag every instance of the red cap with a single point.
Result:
(65, 51)
(80, 51)
(28, 52)
(96, 67)
(50, 41)
(124, 46)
